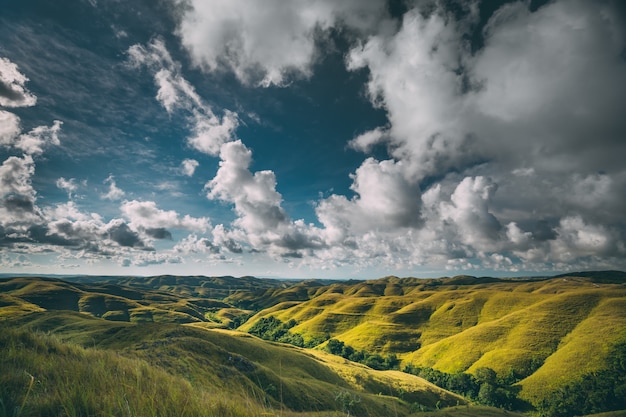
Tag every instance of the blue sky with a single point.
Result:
(351, 139)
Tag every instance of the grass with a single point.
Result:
(84, 365)
(551, 330)
(466, 411)
(45, 376)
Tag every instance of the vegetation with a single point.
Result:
(543, 334)
(71, 364)
(374, 361)
(43, 376)
(485, 387)
(270, 328)
(595, 392)
(96, 346)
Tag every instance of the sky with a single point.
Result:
(312, 138)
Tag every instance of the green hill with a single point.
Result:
(548, 333)
(81, 365)
(78, 349)
(162, 346)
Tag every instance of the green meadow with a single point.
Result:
(224, 346)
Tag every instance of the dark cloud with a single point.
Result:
(41, 234)
(9, 93)
(122, 234)
(159, 233)
(12, 90)
(232, 246)
(19, 203)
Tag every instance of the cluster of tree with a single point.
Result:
(238, 320)
(271, 328)
(593, 393)
(373, 360)
(484, 387)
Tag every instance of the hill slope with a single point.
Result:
(547, 332)
(84, 361)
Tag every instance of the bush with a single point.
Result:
(373, 360)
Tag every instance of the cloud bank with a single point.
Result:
(502, 149)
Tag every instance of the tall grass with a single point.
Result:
(42, 376)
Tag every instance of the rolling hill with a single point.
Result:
(547, 332)
(545, 336)
(109, 349)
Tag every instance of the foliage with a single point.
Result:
(485, 387)
(373, 360)
(270, 328)
(592, 393)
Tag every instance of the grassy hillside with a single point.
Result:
(546, 332)
(63, 354)
(67, 363)
(128, 339)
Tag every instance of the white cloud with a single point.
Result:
(209, 132)
(176, 93)
(365, 141)
(265, 44)
(385, 201)
(188, 167)
(68, 185)
(193, 244)
(577, 238)
(17, 195)
(15, 176)
(534, 115)
(12, 90)
(256, 200)
(9, 128)
(146, 215)
(535, 111)
(114, 192)
(469, 210)
(34, 141)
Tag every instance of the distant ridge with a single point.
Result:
(602, 277)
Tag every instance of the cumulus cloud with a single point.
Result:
(265, 44)
(145, 215)
(188, 167)
(469, 210)
(533, 114)
(9, 128)
(193, 244)
(114, 192)
(122, 234)
(68, 185)
(256, 200)
(40, 137)
(261, 223)
(17, 195)
(65, 229)
(176, 93)
(385, 201)
(13, 93)
(504, 154)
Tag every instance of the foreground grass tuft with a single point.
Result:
(43, 376)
